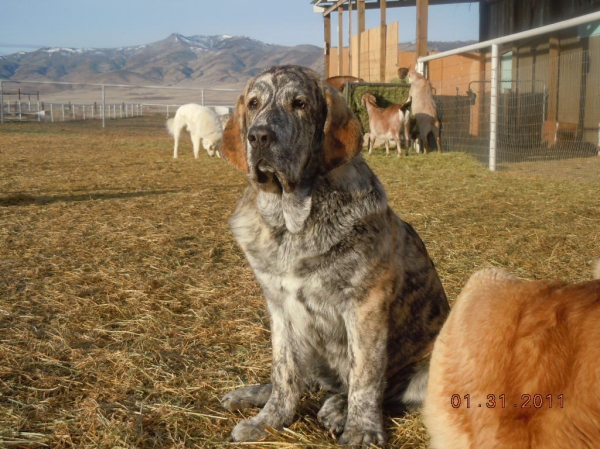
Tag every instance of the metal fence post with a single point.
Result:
(1, 102)
(494, 107)
(103, 107)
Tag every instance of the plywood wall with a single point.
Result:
(370, 55)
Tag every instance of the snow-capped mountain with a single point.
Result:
(203, 61)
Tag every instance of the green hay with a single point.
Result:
(385, 96)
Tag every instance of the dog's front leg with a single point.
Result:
(367, 339)
(287, 386)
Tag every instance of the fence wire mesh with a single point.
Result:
(60, 102)
(548, 116)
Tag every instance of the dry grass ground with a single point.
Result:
(127, 310)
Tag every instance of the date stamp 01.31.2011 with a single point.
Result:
(500, 401)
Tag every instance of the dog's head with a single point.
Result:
(212, 144)
(288, 127)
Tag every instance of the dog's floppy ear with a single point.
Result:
(233, 147)
(343, 133)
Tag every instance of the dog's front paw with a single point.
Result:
(362, 438)
(249, 430)
(334, 412)
(247, 397)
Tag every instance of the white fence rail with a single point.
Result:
(62, 101)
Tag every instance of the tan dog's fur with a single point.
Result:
(515, 338)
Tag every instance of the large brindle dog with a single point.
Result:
(354, 300)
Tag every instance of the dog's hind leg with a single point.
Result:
(247, 397)
(176, 133)
(414, 395)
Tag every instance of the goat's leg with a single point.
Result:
(438, 140)
(425, 129)
(398, 143)
(371, 143)
(387, 147)
(406, 134)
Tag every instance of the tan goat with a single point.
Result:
(420, 97)
(517, 366)
(386, 123)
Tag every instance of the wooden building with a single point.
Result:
(372, 54)
(560, 70)
(566, 63)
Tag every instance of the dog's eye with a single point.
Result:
(298, 104)
(253, 104)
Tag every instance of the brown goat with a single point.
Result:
(516, 366)
(420, 96)
(386, 123)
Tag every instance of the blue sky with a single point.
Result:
(31, 24)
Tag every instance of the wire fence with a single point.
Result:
(62, 101)
(541, 115)
(530, 104)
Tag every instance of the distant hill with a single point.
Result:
(215, 61)
(194, 61)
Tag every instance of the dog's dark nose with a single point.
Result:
(260, 137)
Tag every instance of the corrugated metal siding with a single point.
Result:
(513, 16)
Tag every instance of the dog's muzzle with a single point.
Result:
(260, 138)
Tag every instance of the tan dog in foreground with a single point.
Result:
(516, 366)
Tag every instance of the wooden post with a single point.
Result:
(327, 31)
(484, 22)
(383, 49)
(553, 79)
(340, 40)
(422, 10)
(350, 37)
(550, 124)
(360, 8)
(478, 88)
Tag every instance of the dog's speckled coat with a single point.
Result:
(354, 300)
